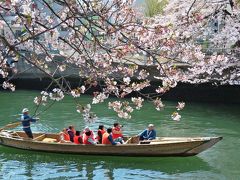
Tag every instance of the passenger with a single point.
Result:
(64, 136)
(71, 131)
(78, 138)
(87, 138)
(117, 131)
(26, 121)
(100, 133)
(108, 139)
(86, 129)
(148, 134)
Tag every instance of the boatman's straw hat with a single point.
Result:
(25, 110)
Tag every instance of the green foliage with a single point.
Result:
(154, 7)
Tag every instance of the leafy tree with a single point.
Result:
(154, 7)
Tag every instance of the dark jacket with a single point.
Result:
(148, 135)
(71, 134)
(26, 121)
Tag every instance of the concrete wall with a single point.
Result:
(33, 79)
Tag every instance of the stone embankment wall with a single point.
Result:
(33, 79)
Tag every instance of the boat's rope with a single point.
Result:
(48, 107)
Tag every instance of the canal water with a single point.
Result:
(222, 161)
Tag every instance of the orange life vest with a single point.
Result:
(102, 131)
(75, 139)
(115, 136)
(66, 137)
(105, 139)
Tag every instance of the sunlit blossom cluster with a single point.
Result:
(42, 99)
(7, 85)
(78, 91)
(158, 104)
(138, 102)
(56, 94)
(180, 106)
(88, 116)
(99, 98)
(176, 116)
(123, 109)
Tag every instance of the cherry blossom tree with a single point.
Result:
(205, 36)
(102, 38)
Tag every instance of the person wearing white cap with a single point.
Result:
(87, 129)
(26, 120)
(148, 134)
(88, 136)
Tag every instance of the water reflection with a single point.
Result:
(25, 164)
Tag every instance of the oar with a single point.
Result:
(10, 126)
(13, 125)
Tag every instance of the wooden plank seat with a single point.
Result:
(40, 138)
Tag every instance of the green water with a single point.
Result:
(222, 161)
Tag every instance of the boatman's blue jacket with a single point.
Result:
(26, 119)
(148, 135)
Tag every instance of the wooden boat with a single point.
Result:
(162, 146)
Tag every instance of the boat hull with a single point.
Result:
(160, 147)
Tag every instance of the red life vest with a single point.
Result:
(85, 139)
(115, 136)
(105, 139)
(92, 134)
(102, 131)
(75, 139)
(66, 137)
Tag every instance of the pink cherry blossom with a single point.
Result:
(180, 106)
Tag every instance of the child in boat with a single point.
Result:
(71, 131)
(148, 134)
(78, 138)
(108, 139)
(88, 139)
(117, 133)
(100, 133)
(86, 129)
(64, 136)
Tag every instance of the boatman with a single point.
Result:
(26, 121)
(148, 134)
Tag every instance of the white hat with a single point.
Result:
(150, 125)
(25, 110)
(87, 129)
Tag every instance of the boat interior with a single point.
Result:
(54, 138)
(50, 138)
